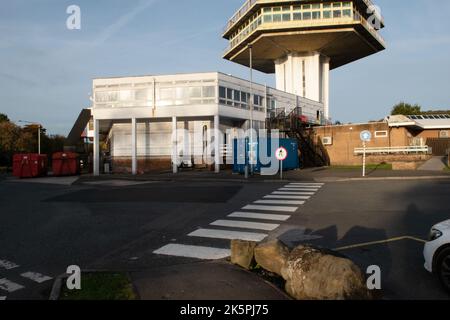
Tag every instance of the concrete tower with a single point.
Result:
(301, 41)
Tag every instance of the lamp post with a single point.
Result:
(250, 50)
(39, 132)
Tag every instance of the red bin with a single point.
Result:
(30, 165)
(65, 164)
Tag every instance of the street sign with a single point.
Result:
(365, 136)
(281, 154)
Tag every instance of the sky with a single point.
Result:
(46, 70)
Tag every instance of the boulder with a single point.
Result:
(272, 256)
(242, 253)
(314, 274)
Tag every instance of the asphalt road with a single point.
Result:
(45, 228)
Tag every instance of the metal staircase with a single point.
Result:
(293, 125)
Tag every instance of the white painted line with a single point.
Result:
(298, 189)
(293, 193)
(270, 208)
(204, 253)
(36, 277)
(225, 234)
(287, 197)
(2, 298)
(306, 184)
(260, 216)
(302, 188)
(288, 202)
(245, 225)
(9, 286)
(8, 265)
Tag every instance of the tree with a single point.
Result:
(406, 109)
(4, 117)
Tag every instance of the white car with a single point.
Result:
(437, 252)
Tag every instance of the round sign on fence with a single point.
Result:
(366, 136)
(281, 154)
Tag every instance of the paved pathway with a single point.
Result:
(434, 164)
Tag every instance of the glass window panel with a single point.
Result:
(286, 17)
(306, 6)
(126, 95)
(297, 8)
(209, 92)
(306, 15)
(316, 6)
(230, 94)
(237, 95)
(268, 19)
(347, 13)
(195, 92)
(222, 92)
(141, 94)
(297, 16)
(326, 5)
(277, 18)
(267, 9)
(346, 4)
(287, 8)
(327, 14)
(316, 15)
(337, 13)
(277, 9)
(336, 4)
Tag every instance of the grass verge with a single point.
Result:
(101, 286)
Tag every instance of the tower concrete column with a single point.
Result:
(326, 87)
(217, 139)
(96, 155)
(133, 147)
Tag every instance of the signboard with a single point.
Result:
(365, 136)
(281, 154)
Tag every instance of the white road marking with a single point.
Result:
(287, 197)
(245, 225)
(298, 189)
(2, 298)
(270, 208)
(225, 234)
(36, 277)
(198, 252)
(8, 265)
(294, 193)
(306, 184)
(288, 202)
(9, 286)
(260, 216)
(302, 188)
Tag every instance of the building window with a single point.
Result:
(381, 134)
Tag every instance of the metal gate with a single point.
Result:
(439, 146)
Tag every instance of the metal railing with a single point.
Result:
(250, 3)
(308, 23)
(392, 150)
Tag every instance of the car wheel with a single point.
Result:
(443, 268)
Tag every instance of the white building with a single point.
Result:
(135, 118)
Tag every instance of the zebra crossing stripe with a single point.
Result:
(306, 184)
(226, 234)
(259, 216)
(36, 277)
(288, 202)
(298, 189)
(270, 208)
(198, 252)
(245, 225)
(293, 193)
(8, 265)
(287, 197)
(9, 286)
